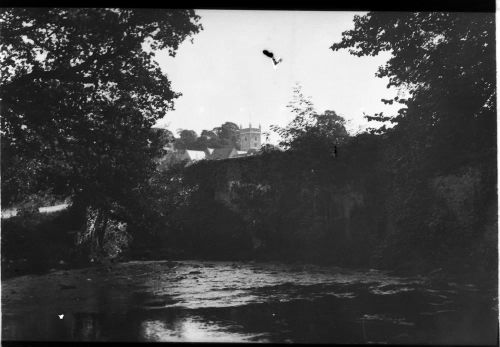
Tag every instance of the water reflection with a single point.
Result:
(238, 302)
(85, 327)
(191, 329)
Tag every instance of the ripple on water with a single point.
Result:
(387, 318)
(216, 284)
(333, 297)
(193, 329)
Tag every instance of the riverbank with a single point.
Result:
(25, 268)
(44, 243)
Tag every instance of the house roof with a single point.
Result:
(210, 150)
(222, 153)
(195, 155)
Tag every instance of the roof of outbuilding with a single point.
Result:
(196, 155)
(221, 153)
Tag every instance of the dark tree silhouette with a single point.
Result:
(444, 62)
(80, 91)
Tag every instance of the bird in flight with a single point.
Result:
(271, 55)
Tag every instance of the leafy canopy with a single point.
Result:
(226, 135)
(80, 90)
(310, 130)
(443, 61)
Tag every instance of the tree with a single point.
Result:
(164, 137)
(309, 130)
(80, 91)
(331, 126)
(228, 134)
(209, 139)
(445, 63)
(209, 134)
(269, 148)
(187, 139)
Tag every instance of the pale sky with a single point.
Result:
(224, 76)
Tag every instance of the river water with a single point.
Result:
(196, 301)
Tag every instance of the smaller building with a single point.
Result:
(190, 156)
(223, 153)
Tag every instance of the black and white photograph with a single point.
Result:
(248, 176)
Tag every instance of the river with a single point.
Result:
(197, 301)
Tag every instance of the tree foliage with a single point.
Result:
(309, 130)
(227, 135)
(165, 137)
(80, 90)
(444, 62)
(187, 139)
(445, 65)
